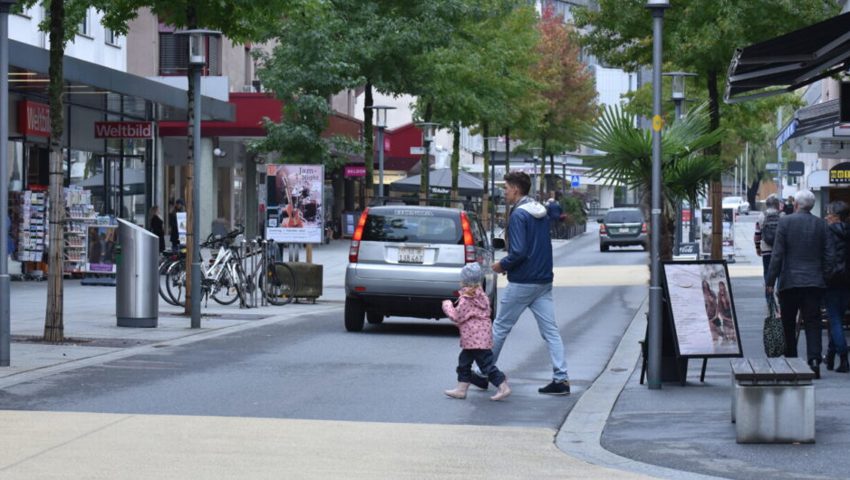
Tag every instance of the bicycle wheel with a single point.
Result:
(278, 284)
(225, 291)
(163, 269)
(175, 283)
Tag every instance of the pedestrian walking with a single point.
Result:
(765, 235)
(788, 209)
(157, 226)
(472, 316)
(800, 255)
(529, 269)
(837, 295)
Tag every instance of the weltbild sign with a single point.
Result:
(123, 129)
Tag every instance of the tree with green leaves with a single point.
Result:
(483, 72)
(700, 36)
(628, 160)
(304, 70)
(568, 91)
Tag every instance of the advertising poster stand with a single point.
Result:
(699, 319)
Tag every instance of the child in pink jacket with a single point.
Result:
(472, 316)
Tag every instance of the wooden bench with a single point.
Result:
(773, 400)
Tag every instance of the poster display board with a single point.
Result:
(700, 304)
(100, 248)
(728, 231)
(294, 205)
(182, 226)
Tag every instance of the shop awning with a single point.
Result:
(788, 62)
(468, 185)
(810, 119)
(80, 72)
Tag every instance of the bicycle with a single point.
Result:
(223, 280)
(275, 280)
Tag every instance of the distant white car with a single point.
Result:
(738, 204)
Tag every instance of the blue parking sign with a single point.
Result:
(574, 180)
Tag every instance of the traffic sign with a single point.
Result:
(575, 180)
(657, 123)
(771, 166)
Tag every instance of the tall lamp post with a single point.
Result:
(428, 131)
(381, 124)
(492, 144)
(5, 303)
(535, 151)
(657, 8)
(197, 60)
(678, 97)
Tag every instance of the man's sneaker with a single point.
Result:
(556, 388)
(479, 381)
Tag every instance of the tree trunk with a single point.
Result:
(716, 185)
(368, 144)
(542, 167)
(455, 160)
(54, 329)
(189, 189)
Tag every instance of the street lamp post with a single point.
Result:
(5, 303)
(381, 124)
(654, 368)
(678, 97)
(492, 143)
(197, 60)
(534, 159)
(428, 131)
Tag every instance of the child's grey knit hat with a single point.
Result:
(471, 275)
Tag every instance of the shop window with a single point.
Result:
(174, 55)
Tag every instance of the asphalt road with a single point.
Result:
(310, 368)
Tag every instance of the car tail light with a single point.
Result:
(468, 240)
(602, 229)
(643, 227)
(358, 234)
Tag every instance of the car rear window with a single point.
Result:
(415, 226)
(624, 216)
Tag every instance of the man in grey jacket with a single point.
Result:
(800, 257)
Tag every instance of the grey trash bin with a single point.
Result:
(137, 281)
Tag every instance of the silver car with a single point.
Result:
(405, 260)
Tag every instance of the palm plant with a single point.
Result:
(685, 169)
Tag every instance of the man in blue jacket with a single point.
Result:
(529, 268)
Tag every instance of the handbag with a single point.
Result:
(773, 334)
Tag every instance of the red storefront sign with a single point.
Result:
(123, 129)
(33, 119)
(353, 171)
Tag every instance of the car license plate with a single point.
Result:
(410, 255)
(624, 230)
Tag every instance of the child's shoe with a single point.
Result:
(503, 392)
(458, 392)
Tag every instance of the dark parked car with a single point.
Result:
(621, 227)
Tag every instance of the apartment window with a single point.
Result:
(174, 55)
(83, 28)
(111, 37)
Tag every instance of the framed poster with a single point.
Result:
(100, 248)
(294, 205)
(182, 226)
(701, 307)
